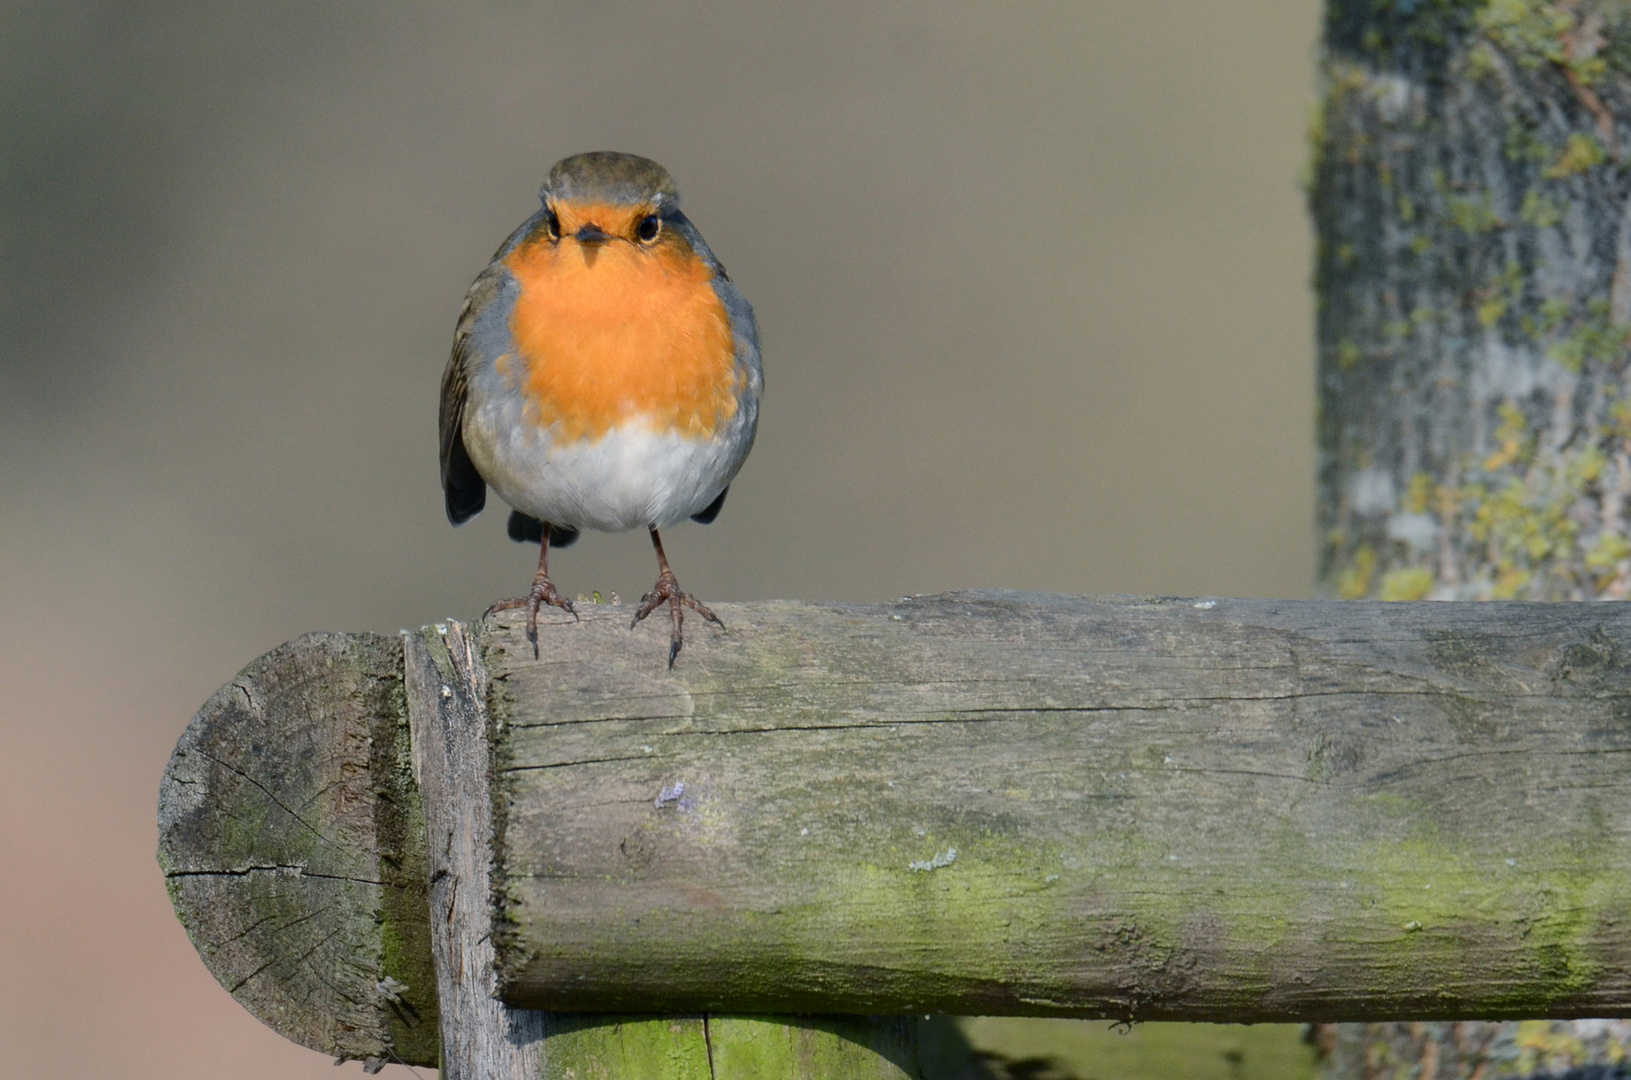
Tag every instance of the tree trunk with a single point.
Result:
(1474, 280)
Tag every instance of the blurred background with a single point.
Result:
(1033, 287)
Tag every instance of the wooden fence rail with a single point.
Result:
(979, 803)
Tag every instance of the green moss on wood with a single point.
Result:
(619, 1047)
(814, 869)
(408, 979)
(729, 1048)
(819, 1048)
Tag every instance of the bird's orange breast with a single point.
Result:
(614, 332)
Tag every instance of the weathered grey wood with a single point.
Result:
(482, 1039)
(293, 838)
(1005, 803)
(1228, 810)
(292, 842)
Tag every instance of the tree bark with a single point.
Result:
(981, 803)
(1470, 191)
(1474, 276)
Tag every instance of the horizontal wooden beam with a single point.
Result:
(979, 803)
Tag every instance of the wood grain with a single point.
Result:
(482, 1038)
(997, 803)
(292, 843)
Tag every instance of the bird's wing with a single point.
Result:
(462, 485)
(711, 511)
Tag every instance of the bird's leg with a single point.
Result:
(542, 592)
(668, 588)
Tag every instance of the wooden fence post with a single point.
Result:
(986, 803)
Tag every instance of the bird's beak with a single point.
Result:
(592, 234)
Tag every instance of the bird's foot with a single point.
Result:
(542, 592)
(667, 590)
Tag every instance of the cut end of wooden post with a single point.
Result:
(292, 842)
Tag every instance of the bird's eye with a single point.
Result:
(553, 224)
(648, 228)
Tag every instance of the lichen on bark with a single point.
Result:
(1469, 185)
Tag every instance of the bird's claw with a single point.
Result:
(667, 590)
(542, 592)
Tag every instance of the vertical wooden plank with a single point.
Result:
(446, 685)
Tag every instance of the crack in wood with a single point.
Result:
(269, 794)
(292, 870)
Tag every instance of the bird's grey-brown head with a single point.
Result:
(607, 176)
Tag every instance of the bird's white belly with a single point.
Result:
(633, 477)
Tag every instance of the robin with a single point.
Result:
(605, 375)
